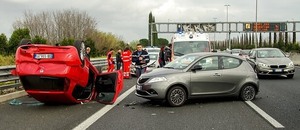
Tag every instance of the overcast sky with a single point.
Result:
(129, 18)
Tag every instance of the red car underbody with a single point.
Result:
(56, 74)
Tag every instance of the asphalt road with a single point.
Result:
(278, 97)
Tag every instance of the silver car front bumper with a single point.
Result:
(152, 91)
(275, 71)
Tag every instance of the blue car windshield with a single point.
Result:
(182, 62)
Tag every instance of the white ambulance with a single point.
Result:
(191, 42)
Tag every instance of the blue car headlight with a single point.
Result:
(157, 79)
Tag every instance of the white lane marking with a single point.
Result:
(271, 120)
(92, 119)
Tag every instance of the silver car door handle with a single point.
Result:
(217, 74)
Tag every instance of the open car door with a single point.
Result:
(108, 87)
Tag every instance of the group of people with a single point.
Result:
(124, 58)
(140, 58)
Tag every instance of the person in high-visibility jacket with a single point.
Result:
(110, 61)
(126, 58)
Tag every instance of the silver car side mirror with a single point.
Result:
(252, 57)
(197, 67)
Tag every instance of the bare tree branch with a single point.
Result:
(57, 25)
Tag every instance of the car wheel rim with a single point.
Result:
(177, 96)
(82, 50)
(249, 93)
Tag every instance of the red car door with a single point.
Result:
(108, 87)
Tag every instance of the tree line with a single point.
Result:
(64, 27)
(60, 27)
(248, 40)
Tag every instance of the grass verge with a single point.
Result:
(7, 60)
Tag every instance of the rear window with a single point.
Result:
(229, 62)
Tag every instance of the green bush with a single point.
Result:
(7, 60)
(295, 47)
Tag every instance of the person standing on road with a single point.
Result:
(161, 57)
(168, 54)
(88, 50)
(119, 59)
(126, 56)
(140, 58)
(110, 61)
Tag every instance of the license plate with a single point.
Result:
(278, 70)
(43, 56)
(139, 87)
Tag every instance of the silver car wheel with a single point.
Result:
(248, 93)
(176, 96)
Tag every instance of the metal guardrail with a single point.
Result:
(8, 81)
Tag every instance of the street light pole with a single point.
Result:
(228, 27)
(215, 19)
(151, 34)
(256, 40)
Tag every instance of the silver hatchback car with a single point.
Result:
(199, 75)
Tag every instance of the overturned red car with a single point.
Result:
(63, 74)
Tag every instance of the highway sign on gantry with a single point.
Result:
(265, 27)
(200, 27)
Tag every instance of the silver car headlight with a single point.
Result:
(262, 65)
(157, 79)
(291, 65)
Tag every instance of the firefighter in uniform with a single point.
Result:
(110, 61)
(126, 57)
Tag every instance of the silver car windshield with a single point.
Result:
(182, 62)
(153, 56)
(270, 54)
(245, 52)
(235, 51)
(153, 50)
